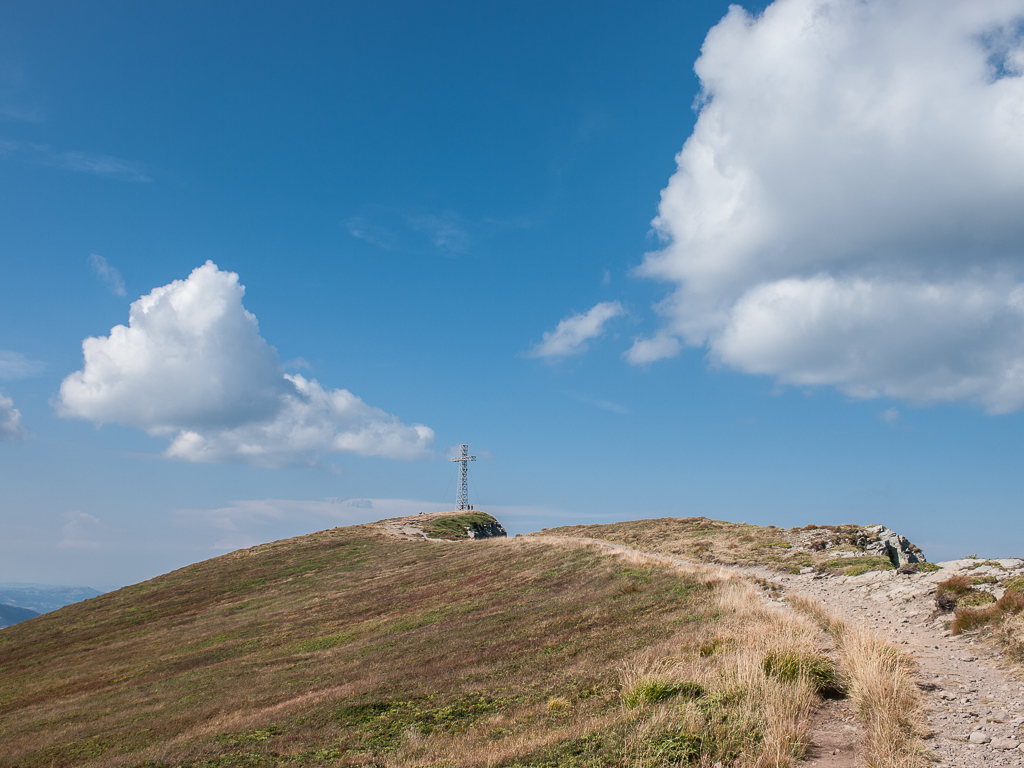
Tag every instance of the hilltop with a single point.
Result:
(10, 614)
(385, 644)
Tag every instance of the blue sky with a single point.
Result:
(446, 210)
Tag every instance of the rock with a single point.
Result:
(900, 551)
(979, 737)
(485, 530)
(1004, 743)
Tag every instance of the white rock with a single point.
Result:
(1004, 743)
(979, 737)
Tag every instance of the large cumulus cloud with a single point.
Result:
(191, 365)
(848, 209)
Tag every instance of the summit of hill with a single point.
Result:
(421, 641)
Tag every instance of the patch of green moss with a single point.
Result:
(975, 597)
(855, 566)
(455, 527)
(1016, 583)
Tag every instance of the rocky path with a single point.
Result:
(975, 707)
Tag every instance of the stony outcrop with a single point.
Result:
(486, 530)
(894, 546)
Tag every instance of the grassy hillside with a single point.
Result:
(829, 548)
(350, 647)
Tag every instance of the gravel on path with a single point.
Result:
(975, 708)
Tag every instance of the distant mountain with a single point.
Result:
(10, 615)
(43, 598)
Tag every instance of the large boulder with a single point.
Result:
(894, 546)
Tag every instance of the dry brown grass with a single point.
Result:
(700, 539)
(966, 619)
(881, 681)
(350, 648)
(343, 645)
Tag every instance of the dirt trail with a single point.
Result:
(966, 690)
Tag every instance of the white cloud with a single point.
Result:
(107, 274)
(14, 365)
(847, 209)
(446, 232)
(10, 421)
(658, 347)
(571, 335)
(246, 522)
(891, 416)
(192, 365)
(82, 532)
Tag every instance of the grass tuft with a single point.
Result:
(967, 619)
(653, 691)
(818, 670)
(959, 591)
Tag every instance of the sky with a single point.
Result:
(263, 268)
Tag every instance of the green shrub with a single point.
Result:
(975, 597)
(1016, 583)
(818, 670)
(653, 691)
(855, 566)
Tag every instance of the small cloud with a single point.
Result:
(364, 229)
(360, 503)
(891, 417)
(298, 362)
(571, 335)
(14, 365)
(606, 278)
(645, 351)
(108, 274)
(81, 532)
(445, 232)
(10, 422)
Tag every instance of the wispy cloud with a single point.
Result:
(446, 231)
(107, 273)
(14, 365)
(571, 335)
(364, 229)
(246, 522)
(20, 114)
(101, 165)
(83, 531)
(605, 405)
(441, 232)
(79, 162)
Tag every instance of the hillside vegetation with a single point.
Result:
(351, 647)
